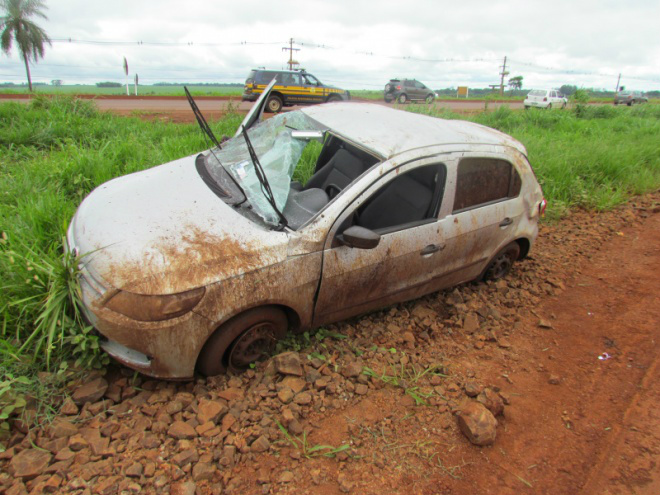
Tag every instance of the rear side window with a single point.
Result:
(265, 76)
(484, 180)
(537, 92)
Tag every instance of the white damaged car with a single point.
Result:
(204, 262)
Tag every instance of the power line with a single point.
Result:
(160, 43)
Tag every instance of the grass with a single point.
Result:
(91, 89)
(308, 450)
(406, 377)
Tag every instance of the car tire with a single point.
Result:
(333, 98)
(429, 99)
(527, 107)
(502, 262)
(402, 98)
(630, 103)
(242, 340)
(563, 105)
(549, 107)
(274, 104)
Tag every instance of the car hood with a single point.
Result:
(163, 231)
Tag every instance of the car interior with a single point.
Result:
(411, 197)
(337, 166)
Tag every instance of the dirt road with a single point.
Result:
(177, 108)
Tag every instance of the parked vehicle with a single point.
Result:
(204, 262)
(545, 98)
(630, 98)
(291, 88)
(404, 90)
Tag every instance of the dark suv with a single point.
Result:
(403, 90)
(291, 88)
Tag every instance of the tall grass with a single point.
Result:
(593, 157)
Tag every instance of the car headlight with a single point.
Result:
(154, 308)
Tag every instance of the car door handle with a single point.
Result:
(431, 248)
(505, 222)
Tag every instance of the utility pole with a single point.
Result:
(617, 83)
(291, 49)
(502, 74)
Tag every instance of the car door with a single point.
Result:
(486, 209)
(402, 207)
(292, 87)
(314, 90)
(421, 90)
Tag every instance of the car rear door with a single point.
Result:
(410, 252)
(486, 209)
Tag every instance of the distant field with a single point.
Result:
(91, 89)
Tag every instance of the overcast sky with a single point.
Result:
(444, 44)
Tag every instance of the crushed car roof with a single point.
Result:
(388, 132)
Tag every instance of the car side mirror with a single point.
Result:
(359, 237)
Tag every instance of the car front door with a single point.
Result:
(314, 90)
(402, 207)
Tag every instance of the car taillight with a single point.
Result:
(398, 87)
(545, 99)
(542, 206)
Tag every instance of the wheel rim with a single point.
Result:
(500, 267)
(273, 105)
(402, 99)
(252, 345)
(429, 99)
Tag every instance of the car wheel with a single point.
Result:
(332, 98)
(244, 339)
(526, 107)
(630, 103)
(403, 98)
(549, 107)
(274, 104)
(501, 264)
(429, 99)
(563, 105)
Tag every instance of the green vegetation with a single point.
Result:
(593, 157)
(118, 88)
(54, 151)
(306, 449)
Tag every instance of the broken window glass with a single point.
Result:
(278, 154)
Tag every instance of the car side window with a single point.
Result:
(405, 201)
(291, 79)
(484, 180)
(265, 77)
(409, 84)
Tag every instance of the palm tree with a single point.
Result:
(16, 25)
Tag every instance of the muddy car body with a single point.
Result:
(180, 271)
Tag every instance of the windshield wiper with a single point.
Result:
(263, 180)
(209, 133)
(201, 120)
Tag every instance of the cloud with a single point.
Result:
(549, 43)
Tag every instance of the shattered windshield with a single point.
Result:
(278, 154)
